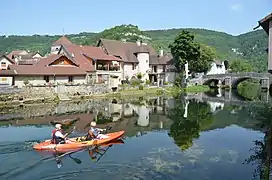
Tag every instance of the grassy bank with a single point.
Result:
(168, 91)
(199, 88)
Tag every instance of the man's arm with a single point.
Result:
(99, 129)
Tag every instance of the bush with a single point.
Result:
(159, 92)
(139, 76)
(141, 87)
(250, 89)
(135, 82)
(147, 81)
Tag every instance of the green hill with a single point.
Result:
(249, 47)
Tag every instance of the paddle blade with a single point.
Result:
(78, 161)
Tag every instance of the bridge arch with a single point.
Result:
(237, 81)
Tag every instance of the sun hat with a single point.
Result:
(93, 123)
(58, 126)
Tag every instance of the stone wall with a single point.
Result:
(85, 89)
(29, 94)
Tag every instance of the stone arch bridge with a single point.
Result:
(233, 79)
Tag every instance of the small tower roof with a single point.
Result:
(62, 41)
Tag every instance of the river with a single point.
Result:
(188, 137)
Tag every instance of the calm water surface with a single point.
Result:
(165, 138)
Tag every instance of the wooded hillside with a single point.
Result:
(249, 47)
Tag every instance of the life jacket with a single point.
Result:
(94, 132)
(55, 139)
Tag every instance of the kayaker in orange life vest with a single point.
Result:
(94, 133)
(58, 137)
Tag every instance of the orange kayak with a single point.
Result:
(77, 144)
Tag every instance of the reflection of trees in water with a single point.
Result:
(185, 130)
(261, 156)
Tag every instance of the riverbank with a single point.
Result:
(53, 97)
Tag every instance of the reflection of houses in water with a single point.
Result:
(141, 111)
(143, 119)
(186, 109)
(216, 106)
(115, 111)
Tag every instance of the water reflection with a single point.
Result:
(95, 153)
(203, 134)
(187, 126)
(262, 150)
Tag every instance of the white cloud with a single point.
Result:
(236, 7)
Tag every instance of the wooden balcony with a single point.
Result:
(107, 67)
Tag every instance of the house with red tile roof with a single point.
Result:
(100, 66)
(54, 69)
(24, 57)
(140, 58)
(5, 79)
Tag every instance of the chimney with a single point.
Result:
(161, 53)
(138, 42)
(73, 55)
(123, 40)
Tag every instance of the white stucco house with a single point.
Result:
(140, 58)
(217, 67)
(5, 75)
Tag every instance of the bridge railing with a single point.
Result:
(250, 74)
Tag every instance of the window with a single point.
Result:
(155, 69)
(146, 61)
(46, 78)
(70, 78)
(164, 68)
(3, 64)
(133, 66)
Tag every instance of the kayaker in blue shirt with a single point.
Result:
(95, 133)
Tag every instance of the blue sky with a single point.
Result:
(52, 16)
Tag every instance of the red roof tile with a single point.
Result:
(6, 57)
(83, 55)
(125, 50)
(46, 70)
(46, 61)
(62, 41)
(16, 53)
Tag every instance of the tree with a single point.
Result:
(261, 157)
(184, 48)
(240, 66)
(203, 64)
(129, 32)
(185, 129)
